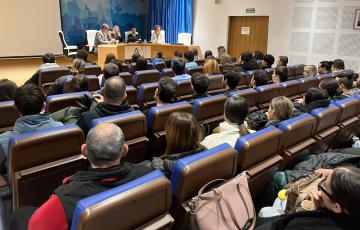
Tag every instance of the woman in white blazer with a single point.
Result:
(157, 36)
(236, 110)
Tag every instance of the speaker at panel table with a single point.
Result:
(157, 35)
(103, 37)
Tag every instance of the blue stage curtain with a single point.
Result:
(175, 16)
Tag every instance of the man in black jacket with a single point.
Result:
(247, 62)
(112, 101)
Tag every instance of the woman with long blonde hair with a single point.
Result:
(211, 66)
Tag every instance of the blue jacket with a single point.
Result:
(27, 124)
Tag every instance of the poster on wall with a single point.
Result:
(245, 30)
(357, 20)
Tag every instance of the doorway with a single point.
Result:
(247, 33)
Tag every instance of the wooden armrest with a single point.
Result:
(300, 147)
(158, 223)
(253, 171)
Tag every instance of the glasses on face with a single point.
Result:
(321, 187)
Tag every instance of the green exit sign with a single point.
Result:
(250, 10)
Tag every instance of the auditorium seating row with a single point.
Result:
(143, 96)
(53, 154)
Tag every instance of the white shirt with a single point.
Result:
(49, 65)
(157, 38)
(229, 133)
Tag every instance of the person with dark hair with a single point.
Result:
(158, 57)
(178, 66)
(258, 55)
(79, 83)
(231, 81)
(112, 101)
(83, 54)
(109, 57)
(346, 85)
(49, 61)
(110, 70)
(134, 35)
(141, 64)
(281, 74)
(335, 204)
(338, 65)
(200, 85)
(331, 86)
(178, 54)
(325, 67)
(282, 61)
(103, 37)
(118, 63)
(30, 101)
(236, 110)
(7, 90)
(196, 53)
(314, 98)
(183, 137)
(189, 59)
(247, 62)
(168, 63)
(207, 54)
(268, 61)
(259, 78)
(165, 92)
(221, 50)
(134, 57)
(104, 148)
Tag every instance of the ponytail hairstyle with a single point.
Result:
(236, 110)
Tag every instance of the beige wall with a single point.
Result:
(29, 27)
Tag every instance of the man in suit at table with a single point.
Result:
(103, 37)
(133, 36)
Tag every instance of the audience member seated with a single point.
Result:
(268, 61)
(7, 90)
(282, 61)
(258, 55)
(168, 63)
(207, 54)
(325, 67)
(334, 201)
(225, 60)
(183, 137)
(231, 81)
(259, 78)
(211, 66)
(236, 110)
(141, 64)
(313, 99)
(178, 54)
(118, 63)
(178, 66)
(200, 85)
(281, 74)
(331, 86)
(30, 101)
(109, 70)
(83, 54)
(158, 57)
(189, 59)
(310, 71)
(57, 87)
(337, 66)
(109, 57)
(49, 61)
(112, 101)
(221, 51)
(104, 148)
(280, 109)
(78, 83)
(346, 86)
(134, 57)
(247, 62)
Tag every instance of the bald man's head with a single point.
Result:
(105, 145)
(114, 90)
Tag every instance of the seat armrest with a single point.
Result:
(162, 222)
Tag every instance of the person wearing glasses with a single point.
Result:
(336, 204)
